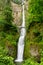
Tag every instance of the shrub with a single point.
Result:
(6, 60)
(30, 62)
(35, 11)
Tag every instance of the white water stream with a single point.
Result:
(21, 39)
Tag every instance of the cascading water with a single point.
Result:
(21, 39)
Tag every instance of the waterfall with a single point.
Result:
(21, 38)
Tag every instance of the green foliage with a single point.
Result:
(34, 25)
(30, 62)
(36, 10)
(2, 4)
(8, 17)
(6, 60)
(3, 51)
(8, 14)
(6, 20)
(8, 43)
(17, 1)
(8, 35)
(12, 39)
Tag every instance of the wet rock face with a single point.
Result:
(16, 13)
(34, 51)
